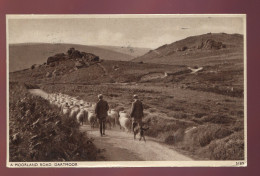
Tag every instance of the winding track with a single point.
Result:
(120, 146)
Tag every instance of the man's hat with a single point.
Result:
(100, 96)
(135, 96)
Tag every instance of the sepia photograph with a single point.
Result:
(126, 90)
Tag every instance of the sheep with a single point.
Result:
(81, 116)
(123, 114)
(86, 110)
(62, 105)
(87, 104)
(75, 101)
(92, 118)
(93, 105)
(74, 108)
(124, 121)
(81, 102)
(52, 102)
(59, 105)
(110, 121)
(74, 111)
(113, 117)
(66, 110)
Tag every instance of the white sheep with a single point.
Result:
(66, 110)
(93, 105)
(92, 118)
(113, 117)
(81, 116)
(125, 121)
(74, 111)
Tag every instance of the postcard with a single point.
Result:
(126, 90)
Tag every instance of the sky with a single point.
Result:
(136, 31)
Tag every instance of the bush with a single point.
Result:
(162, 127)
(170, 140)
(199, 115)
(152, 110)
(179, 135)
(38, 132)
(176, 137)
(180, 115)
(31, 86)
(146, 106)
(229, 148)
(119, 108)
(204, 134)
(218, 119)
(177, 115)
(184, 48)
(238, 125)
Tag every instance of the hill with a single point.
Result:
(200, 112)
(206, 49)
(22, 56)
(133, 51)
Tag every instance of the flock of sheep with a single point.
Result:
(85, 111)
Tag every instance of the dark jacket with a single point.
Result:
(137, 110)
(101, 109)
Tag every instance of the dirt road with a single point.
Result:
(120, 146)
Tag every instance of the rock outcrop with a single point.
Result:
(73, 54)
(56, 58)
(211, 44)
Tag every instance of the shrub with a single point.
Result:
(218, 119)
(152, 110)
(38, 132)
(199, 115)
(229, 148)
(179, 135)
(184, 48)
(146, 106)
(178, 109)
(204, 134)
(159, 125)
(180, 115)
(238, 125)
(119, 108)
(176, 137)
(177, 115)
(31, 86)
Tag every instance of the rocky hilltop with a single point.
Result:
(63, 63)
(194, 47)
(81, 58)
